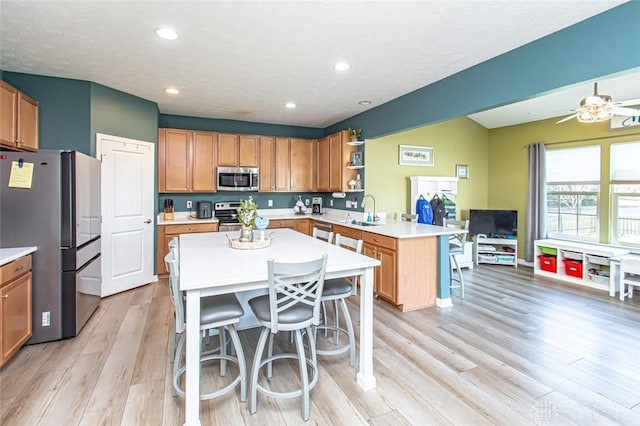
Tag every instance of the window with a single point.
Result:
(625, 193)
(573, 189)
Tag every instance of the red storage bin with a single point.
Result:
(547, 263)
(573, 267)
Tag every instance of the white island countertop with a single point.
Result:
(10, 254)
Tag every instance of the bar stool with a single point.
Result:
(338, 290)
(456, 247)
(629, 276)
(293, 304)
(216, 312)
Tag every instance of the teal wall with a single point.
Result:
(120, 114)
(65, 109)
(602, 45)
(236, 126)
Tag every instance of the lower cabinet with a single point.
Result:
(384, 249)
(167, 232)
(300, 225)
(15, 306)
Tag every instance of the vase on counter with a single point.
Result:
(246, 234)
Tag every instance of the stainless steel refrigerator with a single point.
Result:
(59, 214)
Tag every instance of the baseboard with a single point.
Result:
(444, 303)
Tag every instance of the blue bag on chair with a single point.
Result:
(424, 211)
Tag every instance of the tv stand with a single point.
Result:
(496, 251)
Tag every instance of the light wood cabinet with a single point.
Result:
(383, 248)
(323, 159)
(167, 232)
(15, 306)
(18, 119)
(302, 226)
(186, 161)
(332, 155)
(274, 164)
(302, 160)
(238, 150)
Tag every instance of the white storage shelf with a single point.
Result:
(593, 259)
(498, 251)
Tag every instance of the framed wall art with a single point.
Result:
(462, 171)
(415, 155)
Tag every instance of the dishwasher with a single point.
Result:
(324, 226)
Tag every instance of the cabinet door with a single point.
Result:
(27, 123)
(282, 165)
(370, 250)
(336, 163)
(16, 315)
(248, 151)
(203, 162)
(267, 164)
(301, 225)
(302, 164)
(387, 282)
(228, 150)
(8, 115)
(174, 170)
(323, 164)
(162, 248)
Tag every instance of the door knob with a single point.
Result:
(147, 221)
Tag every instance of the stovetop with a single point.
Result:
(226, 212)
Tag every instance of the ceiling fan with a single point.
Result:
(598, 107)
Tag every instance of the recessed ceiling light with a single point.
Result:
(172, 90)
(341, 66)
(364, 103)
(166, 33)
(290, 105)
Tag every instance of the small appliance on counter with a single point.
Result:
(299, 207)
(316, 205)
(204, 210)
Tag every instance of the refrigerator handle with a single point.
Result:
(66, 200)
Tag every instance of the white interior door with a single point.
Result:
(127, 213)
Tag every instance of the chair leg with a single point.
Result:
(325, 320)
(336, 333)
(352, 336)
(304, 374)
(172, 347)
(176, 365)
(269, 355)
(253, 400)
(223, 351)
(242, 365)
(454, 261)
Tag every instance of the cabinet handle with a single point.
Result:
(376, 240)
(6, 296)
(19, 269)
(190, 229)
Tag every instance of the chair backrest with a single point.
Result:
(457, 224)
(322, 235)
(174, 247)
(174, 289)
(291, 284)
(408, 217)
(346, 242)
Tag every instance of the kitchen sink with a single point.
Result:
(363, 223)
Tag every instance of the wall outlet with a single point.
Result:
(270, 203)
(330, 203)
(189, 204)
(306, 202)
(46, 319)
(347, 204)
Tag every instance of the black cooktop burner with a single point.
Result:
(227, 212)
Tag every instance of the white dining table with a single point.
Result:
(208, 266)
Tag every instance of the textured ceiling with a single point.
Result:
(245, 59)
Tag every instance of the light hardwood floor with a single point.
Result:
(517, 350)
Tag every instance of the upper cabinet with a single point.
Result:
(18, 119)
(302, 158)
(333, 154)
(186, 161)
(238, 150)
(274, 164)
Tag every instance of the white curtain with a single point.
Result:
(536, 224)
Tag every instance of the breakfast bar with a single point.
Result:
(208, 266)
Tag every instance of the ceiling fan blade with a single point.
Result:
(625, 111)
(628, 102)
(567, 118)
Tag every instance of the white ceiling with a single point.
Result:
(245, 59)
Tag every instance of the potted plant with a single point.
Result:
(247, 214)
(354, 133)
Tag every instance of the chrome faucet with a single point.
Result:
(375, 216)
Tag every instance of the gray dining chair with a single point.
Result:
(216, 312)
(337, 290)
(322, 235)
(293, 304)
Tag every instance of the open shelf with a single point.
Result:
(354, 190)
(356, 167)
(355, 143)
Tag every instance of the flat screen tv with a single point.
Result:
(493, 223)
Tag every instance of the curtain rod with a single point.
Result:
(587, 139)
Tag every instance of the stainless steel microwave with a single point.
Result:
(237, 179)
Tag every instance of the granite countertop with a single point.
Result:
(389, 228)
(10, 254)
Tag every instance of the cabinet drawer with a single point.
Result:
(379, 240)
(282, 223)
(191, 228)
(15, 269)
(347, 232)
